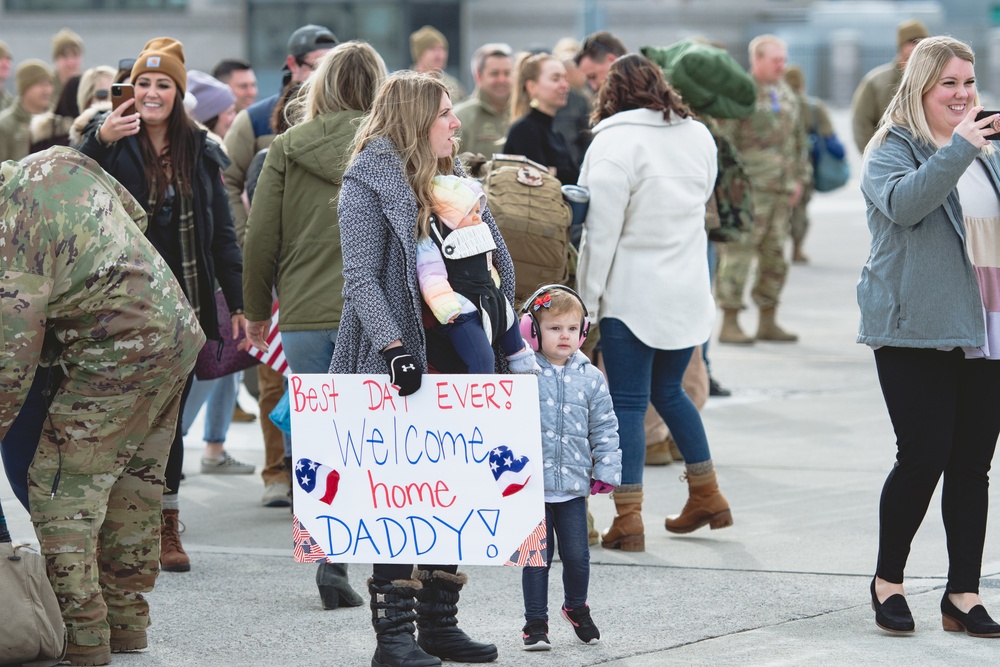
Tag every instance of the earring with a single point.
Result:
(533, 103)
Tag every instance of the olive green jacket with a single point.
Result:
(293, 229)
(483, 127)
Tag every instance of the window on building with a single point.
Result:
(80, 5)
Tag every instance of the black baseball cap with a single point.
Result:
(310, 38)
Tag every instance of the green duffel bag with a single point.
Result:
(709, 80)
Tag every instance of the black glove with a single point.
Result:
(403, 370)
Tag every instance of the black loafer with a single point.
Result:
(977, 623)
(893, 615)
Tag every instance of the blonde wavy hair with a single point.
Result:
(529, 68)
(346, 79)
(405, 108)
(906, 110)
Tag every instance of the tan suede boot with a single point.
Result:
(658, 453)
(626, 532)
(768, 328)
(731, 332)
(705, 505)
(172, 555)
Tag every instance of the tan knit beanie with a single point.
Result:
(164, 55)
(66, 40)
(30, 72)
(909, 31)
(426, 38)
(5, 50)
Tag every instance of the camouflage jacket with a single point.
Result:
(772, 140)
(77, 273)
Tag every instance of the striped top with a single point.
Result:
(981, 217)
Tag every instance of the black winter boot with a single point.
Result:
(392, 618)
(437, 605)
(334, 589)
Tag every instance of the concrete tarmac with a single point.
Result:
(802, 449)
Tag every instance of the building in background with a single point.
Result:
(834, 41)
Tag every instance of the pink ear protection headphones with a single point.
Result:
(530, 329)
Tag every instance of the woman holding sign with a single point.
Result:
(406, 140)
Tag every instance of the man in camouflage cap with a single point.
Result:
(772, 145)
(82, 287)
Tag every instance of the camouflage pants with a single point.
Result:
(766, 243)
(100, 533)
(799, 223)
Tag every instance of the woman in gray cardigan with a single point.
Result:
(406, 140)
(930, 308)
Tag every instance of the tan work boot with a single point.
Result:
(593, 537)
(731, 332)
(87, 655)
(768, 329)
(658, 453)
(123, 641)
(626, 532)
(172, 555)
(705, 505)
(798, 257)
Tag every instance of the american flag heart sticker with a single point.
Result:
(318, 480)
(510, 472)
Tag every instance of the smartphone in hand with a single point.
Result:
(996, 124)
(120, 93)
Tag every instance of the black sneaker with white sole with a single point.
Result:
(583, 625)
(536, 635)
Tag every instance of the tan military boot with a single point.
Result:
(798, 257)
(658, 453)
(705, 506)
(626, 532)
(731, 332)
(172, 555)
(768, 329)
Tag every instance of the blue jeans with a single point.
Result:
(638, 374)
(566, 521)
(307, 352)
(220, 394)
(21, 441)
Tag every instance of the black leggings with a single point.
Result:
(175, 462)
(944, 411)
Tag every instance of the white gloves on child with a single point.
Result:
(524, 362)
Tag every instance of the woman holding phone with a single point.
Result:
(930, 310)
(165, 161)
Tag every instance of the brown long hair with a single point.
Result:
(181, 132)
(404, 109)
(636, 83)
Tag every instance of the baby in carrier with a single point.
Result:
(460, 284)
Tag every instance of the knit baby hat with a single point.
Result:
(5, 50)
(426, 38)
(30, 72)
(164, 55)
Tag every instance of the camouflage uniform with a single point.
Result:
(78, 275)
(772, 145)
(810, 119)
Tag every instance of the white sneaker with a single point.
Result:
(225, 465)
(277, 494)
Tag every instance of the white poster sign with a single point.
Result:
(450, 474)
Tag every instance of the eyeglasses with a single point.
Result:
(311, 65)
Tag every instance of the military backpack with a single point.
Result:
(527, 203)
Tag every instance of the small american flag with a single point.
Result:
(318, 480)
(306, 549)
(275, 356)
(531, 553)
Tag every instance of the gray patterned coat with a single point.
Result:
(382, 302)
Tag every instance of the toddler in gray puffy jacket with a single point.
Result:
(579, 452)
